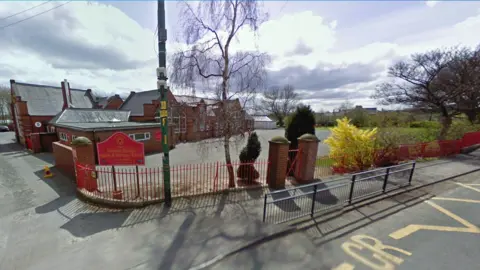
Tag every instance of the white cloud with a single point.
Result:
(99, 46)
(431, 3)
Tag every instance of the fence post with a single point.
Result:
(137, 177)
(114, 179)
(411, 173)
(264, 207)
(386, 180)
(313, 200)
(350, 197)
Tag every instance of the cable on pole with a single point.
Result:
(25, 10)
(33, 16)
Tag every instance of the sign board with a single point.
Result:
(158, 136)
(120, 149)
(38, 124)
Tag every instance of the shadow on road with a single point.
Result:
(363, 216)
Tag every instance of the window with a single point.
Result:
(140, 136)
(63, 136)
(50, 129)
(74, 137)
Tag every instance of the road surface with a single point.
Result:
(404, 232)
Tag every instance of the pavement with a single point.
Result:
(44, 226)
(434, 227)
(212, 150)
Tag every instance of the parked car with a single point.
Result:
(4, 129)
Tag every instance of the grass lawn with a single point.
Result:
(324, 162)
(323, 128)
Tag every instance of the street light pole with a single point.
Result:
(162, 88)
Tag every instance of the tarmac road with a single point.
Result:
(399, 233)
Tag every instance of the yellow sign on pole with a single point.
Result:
(163, 113)
(163, 105)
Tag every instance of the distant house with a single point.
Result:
(193, 118)
(263, 122)
(34, 105)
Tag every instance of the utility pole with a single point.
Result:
(162, 88)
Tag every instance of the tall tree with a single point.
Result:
(416, 82)
(279, 102)
(463, 73)
(209, 29)
(5, 98)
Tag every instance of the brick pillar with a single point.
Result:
(84, 155)
(36, 143)
(307, 157)
(277, 163)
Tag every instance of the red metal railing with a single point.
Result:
(387, 157)
(140, 183)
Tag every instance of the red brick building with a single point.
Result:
(109, 103)
(193, 118)
(98, 124)
(34, 105)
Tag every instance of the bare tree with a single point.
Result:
(209, 30)
(416, 82)
(463, 74)
(5, 99)
(279, 102)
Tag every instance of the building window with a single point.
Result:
(74, 137)
(50, 129)
(63, 136)
(140, 136)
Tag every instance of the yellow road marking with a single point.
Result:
(406, 231)
(383, 259)
(468, 186)
(344, 266)
(455, 200)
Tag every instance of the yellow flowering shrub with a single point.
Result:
(350, 147)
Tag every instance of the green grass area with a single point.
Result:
(324, 162)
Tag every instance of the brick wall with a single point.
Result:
(114, 103)
(26, 122)
(151, 146)
(64, 159)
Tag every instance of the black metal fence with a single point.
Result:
(288, 204)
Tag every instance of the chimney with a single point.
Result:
(64, 94)
(69, 93)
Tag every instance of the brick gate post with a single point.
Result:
(307, 157)
(277, 162)
(84, 154)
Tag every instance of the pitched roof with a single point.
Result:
(44, 100)
(134, 102)
(261, 118)
(73, 115)
(195, 100)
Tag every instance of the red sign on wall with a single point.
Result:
(120, 149)
(158, 136)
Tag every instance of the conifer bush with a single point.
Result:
(247, 156)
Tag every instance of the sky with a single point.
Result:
(329, 51)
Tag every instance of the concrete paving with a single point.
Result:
(212, 150)
(401, 232)
(44, 226)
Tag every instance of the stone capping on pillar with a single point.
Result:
(277, 162)
(306, 161)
